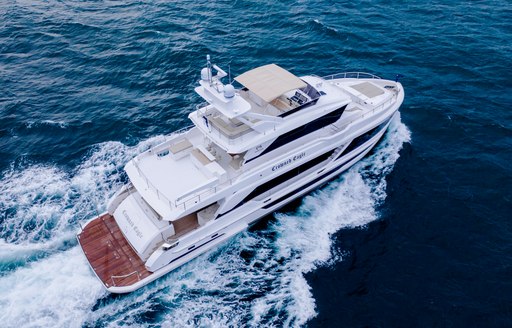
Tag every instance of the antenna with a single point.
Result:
(229, 73)
(209, 66)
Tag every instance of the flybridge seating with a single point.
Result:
(282, 106)
(289, 104)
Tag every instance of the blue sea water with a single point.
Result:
(418, 233)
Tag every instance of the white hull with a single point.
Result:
(238, 164)
(241, 218)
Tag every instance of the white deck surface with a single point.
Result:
(171, 177)
(370, 92)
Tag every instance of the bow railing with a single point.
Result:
(351, 75)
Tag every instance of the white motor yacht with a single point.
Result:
(249, 151)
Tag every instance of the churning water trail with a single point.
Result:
(43, 205)
(45, 279)
(57, 291)
(256, 278)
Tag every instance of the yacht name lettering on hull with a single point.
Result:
(288, 161)
(135, 228)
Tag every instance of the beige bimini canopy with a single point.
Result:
(270, 81)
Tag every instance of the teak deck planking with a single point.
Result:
(111, 257)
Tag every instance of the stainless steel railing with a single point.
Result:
(351, 75)
(124, 276)
(150, 186)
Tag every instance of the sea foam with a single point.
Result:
(256, 278)
(43, 205)
(54, 292)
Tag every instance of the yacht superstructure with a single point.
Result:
(250, 151)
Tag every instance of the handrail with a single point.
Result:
(215, 131)
(180, 131)
(178, 202)
(124, 276)
(142, 175)
(372, 110)
(150, 185)
(351, 75)
(197, 196)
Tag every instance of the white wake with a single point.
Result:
(257, 278)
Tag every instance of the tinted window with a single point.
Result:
(363, 138)
(282, 178)
(288, 175)
(280, 199)
(303, 130)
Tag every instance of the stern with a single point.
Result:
(110, 255)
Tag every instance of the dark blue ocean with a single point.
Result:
(417, 234)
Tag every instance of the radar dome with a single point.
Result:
(206, 73)
(229, 91)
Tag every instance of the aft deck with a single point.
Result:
(111, 257)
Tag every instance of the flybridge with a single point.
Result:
(270, 103)
(265, 84)
(270, 81)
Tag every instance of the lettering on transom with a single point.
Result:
(132, 224)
